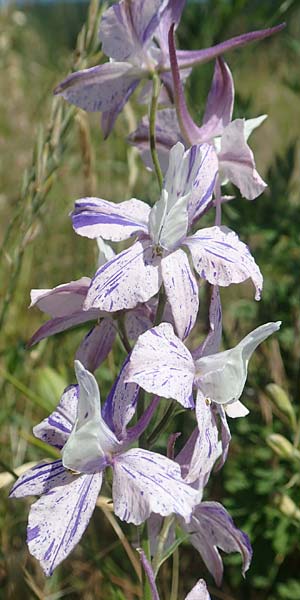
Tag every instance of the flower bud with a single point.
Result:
(287, 506)
(282, 401)
(282, 447)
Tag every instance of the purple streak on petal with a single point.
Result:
(131, 277)
(40, 480)
(172, 14)
(189, 58)
(221, 258)
(181, 290)
(151, 483)
(188, 128)
(161, 364)
(56, 428)
(94, 217)
(149, 572)
(61, 518)
(97, 344)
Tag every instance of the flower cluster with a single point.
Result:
(148, 294)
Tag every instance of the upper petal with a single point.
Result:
(128, 25)
(221, 258)
(100, 88)
(94, 217)
(219, 105)
(181, 290)
(131, 277)
(58, 520)
(146, 482)
(160, 363)
(40, 479)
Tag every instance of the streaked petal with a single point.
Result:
(131, 277)
(141, 318)
(100, 88)
(212, 342)
(219, 106)
(58, 520)
(221, 258)
(160, 363)
(40, 479)
(211, 528)
(171, 15)
(97, 344)
(121, 401)
(222, 376)
(181, 290)
(237, 161)
(127, 26)
(62, 300)
(108, 118)
(56, 428)
(199, 591)
(94, 217)
(207, 448)
(204, 183)
(146, 482)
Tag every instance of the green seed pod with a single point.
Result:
(287, 506)
(282, 447)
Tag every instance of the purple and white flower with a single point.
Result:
(136, 274)
(143, 482)
(160, 363)
(134, 35)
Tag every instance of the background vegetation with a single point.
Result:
(52, 154)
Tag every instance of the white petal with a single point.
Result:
(146, 482)
(160, 363)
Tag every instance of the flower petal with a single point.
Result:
(127, 26)
(221, 258)
(237, 161)
(40, 479)
(94, 217)
(222, 376)
(199, 592)
(181, 290)
(108, 118)
(100, 88)
(58, 520)
(131, 277)
(56, 428)
(60, 324)
(141, 318)
(121, 401)
(204, 183)
(62, 300)
(146, 482)
(160, 363)
(219, 106)
(211, 527)
(212, 342)
(236, 409)
(97, 344)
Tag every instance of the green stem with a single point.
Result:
(163, 536)
(175, 575)
(147, 594)
(152, 128)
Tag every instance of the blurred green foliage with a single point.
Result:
(259, 485)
